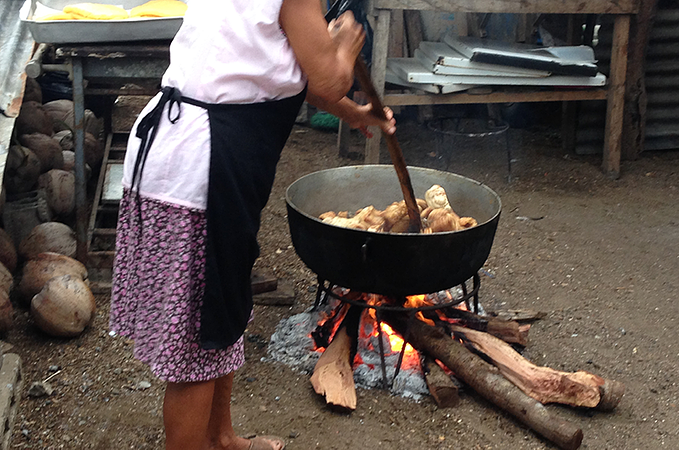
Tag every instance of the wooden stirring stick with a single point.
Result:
(361, 72)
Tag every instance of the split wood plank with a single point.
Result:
(544, 384)
(283, 295)
(442, 388)
(333, 376)
(263, 281)
(486, 380)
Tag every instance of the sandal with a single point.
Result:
(265, 443)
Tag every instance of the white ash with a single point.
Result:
(292, 344)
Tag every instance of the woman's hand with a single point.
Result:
(357, 116)
(365, 117)
(347, 34)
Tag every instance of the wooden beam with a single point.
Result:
(634, 125)
(515, 6)
(616, 97)
(378, 75)
(495, 97)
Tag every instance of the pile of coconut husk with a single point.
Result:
(37, 265)
(41, 155)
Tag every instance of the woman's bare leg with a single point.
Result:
(221, 434)
(186, 414)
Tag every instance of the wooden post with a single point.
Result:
(378, 75)
(634, 129)
(616, 97)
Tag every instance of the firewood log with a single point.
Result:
(487, 381)
(441, 387)
(545, 384)
(507, 330)
(333, 376)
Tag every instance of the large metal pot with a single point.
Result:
(386, 263)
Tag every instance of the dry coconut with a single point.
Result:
(48, 237)
(69, 160)
(45, 148)
(65, 139)
(6, 279)
(94, 151)
(64, 307)
(59, 187)
(61, 113)
(6, 313)
(38, 271)
(22, 170)
(8, 253)
(33, 91)
(33, 118)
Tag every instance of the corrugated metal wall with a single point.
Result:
(662, 80)
(662, 86)
(16, 45)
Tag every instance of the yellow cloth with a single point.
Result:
(96, 11)
(159, 8)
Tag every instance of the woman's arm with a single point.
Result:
(327, 61)
(327, 54)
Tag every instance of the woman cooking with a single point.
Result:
(199, 169)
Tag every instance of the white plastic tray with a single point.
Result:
(86, 31)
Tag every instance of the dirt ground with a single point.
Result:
(599, 256)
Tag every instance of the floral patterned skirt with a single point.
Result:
(158, 285)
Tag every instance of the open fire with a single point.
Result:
(379, 341)
(300, 340)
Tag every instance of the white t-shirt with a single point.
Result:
(227, 51)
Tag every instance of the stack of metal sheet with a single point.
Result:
(459, 63)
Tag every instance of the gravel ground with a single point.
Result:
(600, 257)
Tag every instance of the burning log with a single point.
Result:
(333, 376)
(507, 330)
(545, 384)
(444, 390)
(487, 381)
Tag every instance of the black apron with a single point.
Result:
(246, 143)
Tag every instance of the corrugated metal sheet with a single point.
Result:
(16, 45)
(662, 87)
(662, 80)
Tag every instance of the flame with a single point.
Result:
(395, 340)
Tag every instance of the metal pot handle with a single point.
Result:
(365, 249)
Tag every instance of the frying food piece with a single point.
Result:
(467, 222)
(371, 217)
(346, 222)
(401, 226)
(365, 219)
(96, 11)
(436, 197)
(394, 212)
(435, 211)
(159, 8)
(441, 220)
